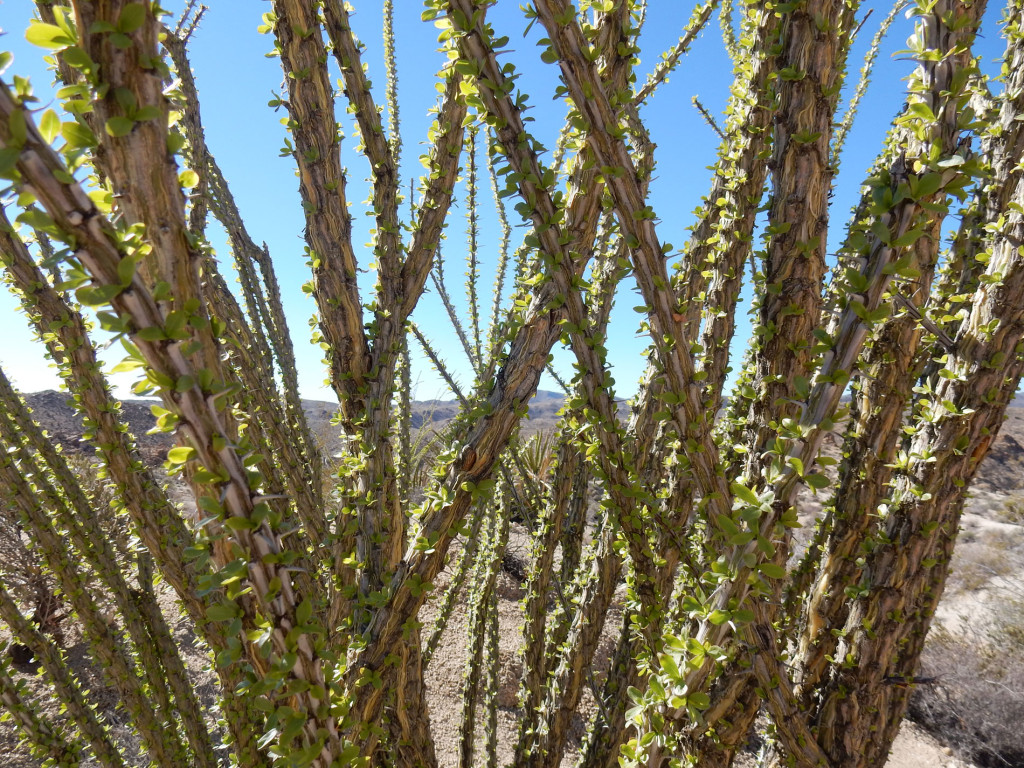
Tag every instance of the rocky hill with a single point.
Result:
(1002, 472)
(55, 413)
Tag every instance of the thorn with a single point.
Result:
(708, 118)
(184, 18)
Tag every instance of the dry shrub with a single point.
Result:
(976, 700)
(981, 565)
(23, 571)
(25, 577)
(1012, 510)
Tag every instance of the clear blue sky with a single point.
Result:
(235, 81)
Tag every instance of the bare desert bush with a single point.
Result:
(973, 689)
(1012, 510)
(988, 559)
(23, 575)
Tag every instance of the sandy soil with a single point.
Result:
(914, 747)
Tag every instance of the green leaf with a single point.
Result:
(210, 505)
(180, 454)
(48, 36)
(101, 28)
(126, 100)
(742, 616)
(718, 617)
(817, 481)
(121, 41)
(908, 238)
(698, 700)
(772, 570)
(727, 525)
(150, 112)
(152, 333)
(132, 17)
(175, 141)
(239, 524)
(9, 159)
(304, 612)
(18, 128)
(923, 111)
(222, 612)
(188, 179)
(881, 231)
(37, 219)
(78, 136)
(126, 271)
(744, 494)
(128, 364)
(96, 295)
(49, 126)
(119, 126)
(927, 185)
(669, 666)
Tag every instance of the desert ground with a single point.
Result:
(970, 714)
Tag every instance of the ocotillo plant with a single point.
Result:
(306, 576)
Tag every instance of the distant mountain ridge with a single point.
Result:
(54, 412)
(1002, 472)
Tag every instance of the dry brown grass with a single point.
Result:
(976, 700)
(1012, 510)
